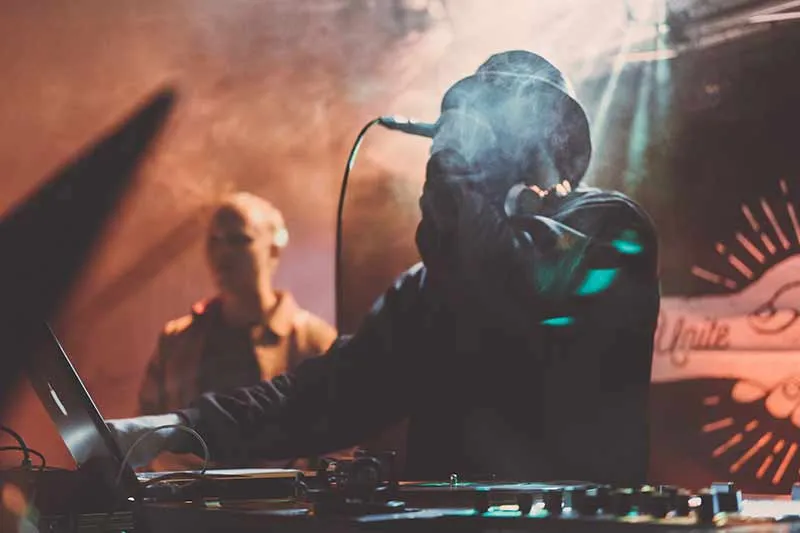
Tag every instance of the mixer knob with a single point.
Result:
(621, 501)
(601, 497)
(661, 505)
(796, 492)
(644, 500)
(481, 501)
(365, 473)
(581, 501)
(729, 500)
(708, 507)
(553, 501)
(668, 495)
(653, 502)
(681, 502)
(525, 502)
(671, 491)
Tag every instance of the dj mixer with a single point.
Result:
(357, 496)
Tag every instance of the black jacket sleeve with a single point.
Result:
(330, 402)
(589, 257)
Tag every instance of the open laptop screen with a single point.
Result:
(75, 415)
(92, 444)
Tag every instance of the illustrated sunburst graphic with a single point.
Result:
(754, 432)
(770, 233)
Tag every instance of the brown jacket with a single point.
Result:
(172, 377)
(171, 380)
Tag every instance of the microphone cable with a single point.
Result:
(395, 123)
(351, 161)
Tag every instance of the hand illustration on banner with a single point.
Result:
(781, 401)
(752, 432)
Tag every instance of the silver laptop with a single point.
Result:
(84, 431)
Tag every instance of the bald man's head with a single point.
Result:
(245, 239)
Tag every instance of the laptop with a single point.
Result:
(88, 438)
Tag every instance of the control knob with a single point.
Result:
(553, 501)
(576, 499)
(599, 497)
(681, 502)
(525, 502)
(708, 506)
(729, 499)
(621, 502)
(658, 504)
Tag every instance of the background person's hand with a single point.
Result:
(129, 431)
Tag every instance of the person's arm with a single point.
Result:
(595, 262)
(361, 385)
(530, 270)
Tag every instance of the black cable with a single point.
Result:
(152, 431)
(42, 460)
(338, 259)
(196, 476)
(26, 453)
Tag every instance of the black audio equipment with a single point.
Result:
(362, 494)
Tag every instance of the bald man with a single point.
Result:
(247, 333)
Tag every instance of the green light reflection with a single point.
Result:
(558, 321)
(597, 280)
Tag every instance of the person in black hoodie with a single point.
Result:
(520, 347)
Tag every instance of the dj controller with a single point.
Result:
(357, 495)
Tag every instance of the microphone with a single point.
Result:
(406, 125)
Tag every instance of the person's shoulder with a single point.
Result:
(305, 319)
(314, 334)
(404, 290)
(177, 326)
(403, 301)
(201, 312)
(413, 277)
